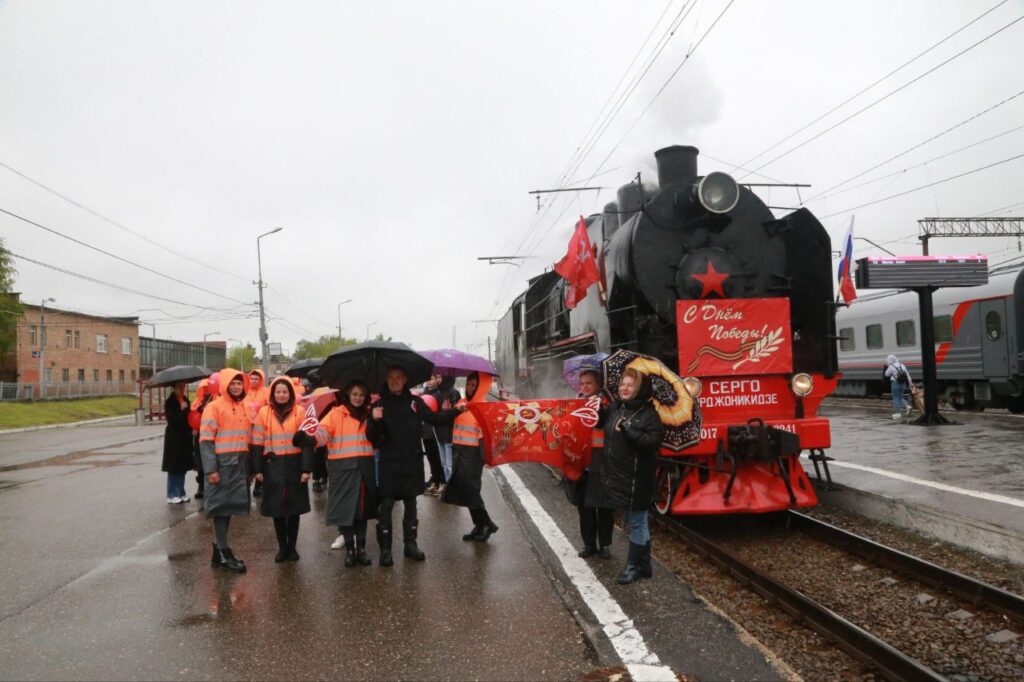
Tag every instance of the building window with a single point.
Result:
(78, 340)
(133, 376)
(942, 327)
(48, 375)
(65, 375)
(126, 345)
(32, 334)
(67, 338)
(874, 335)
(110, 376)
(101, 343)
(906, 333)
(846, 341)
(120, 376)
(81, 375)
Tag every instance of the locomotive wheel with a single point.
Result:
(666, 480)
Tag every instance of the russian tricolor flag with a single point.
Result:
(845, 276)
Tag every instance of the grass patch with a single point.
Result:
(15, 415)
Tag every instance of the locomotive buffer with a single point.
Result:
(924, 275)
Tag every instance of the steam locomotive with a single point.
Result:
(698, 273)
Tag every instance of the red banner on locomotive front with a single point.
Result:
(734, 336)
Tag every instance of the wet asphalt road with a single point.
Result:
(104, 580)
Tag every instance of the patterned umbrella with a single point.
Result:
(572, 367)
(456, 363)
(679, 412)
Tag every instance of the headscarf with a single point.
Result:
(363, 411)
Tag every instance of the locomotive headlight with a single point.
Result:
(718, 192)
(802, 384)
(693, 386)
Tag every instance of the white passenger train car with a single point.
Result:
(979, 341)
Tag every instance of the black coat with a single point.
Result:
(463, 488)
(284, 493)
(622, 477)
(178, 452)
(398, 437)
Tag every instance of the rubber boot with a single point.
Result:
(282, 542)
(487, 528)
(361, 558)
(477, 526)
(257, 489)
(350, 555)
(384, 542)
(412, 551)
(230, 562)
(646, 570)
(215, 560)
(631, 573)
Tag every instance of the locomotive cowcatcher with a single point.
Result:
(700, 274)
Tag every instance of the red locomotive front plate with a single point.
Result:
(734, 336)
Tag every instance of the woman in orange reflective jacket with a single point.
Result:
(282, 466)
(224, 434)
(352, 487)
(463, 487)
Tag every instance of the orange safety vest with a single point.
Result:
(466, 430)
(274, 436)
(344, 435)
(226, 423)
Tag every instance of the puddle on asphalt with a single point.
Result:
(92, 458)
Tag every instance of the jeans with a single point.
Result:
(176, 484)
(639, 533)
(446, 459)
(899, 399)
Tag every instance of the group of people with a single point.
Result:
(237, 432)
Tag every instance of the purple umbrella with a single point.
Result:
(572, 367)
(456, 363)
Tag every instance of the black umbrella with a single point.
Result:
(369, 362)
(300, 368)
(173, 375)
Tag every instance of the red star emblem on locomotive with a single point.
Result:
(712, 281)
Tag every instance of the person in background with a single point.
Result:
(447, 396)
(207, 391)
(396, 428)
(224, 436)
(465, 484)
(596, 520)
(430, 444)
(898, 376)
(178, 457)
(320, 453)
(256, 397)
(352, 491)
(632, 436)
(282, 456)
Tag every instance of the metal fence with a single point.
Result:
(11, 390)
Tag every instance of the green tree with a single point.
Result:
(242, 357)
(10, 309)
(320, 348)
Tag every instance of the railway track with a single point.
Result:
(871, 649)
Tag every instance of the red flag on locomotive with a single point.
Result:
(578, 266)
(553, 432)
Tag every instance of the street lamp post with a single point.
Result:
(348, 300)
(241, 353)
(263, 317)
(368, 330)
(205, 336)
(42, 336)
(152, 352)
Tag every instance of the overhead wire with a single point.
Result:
(889, 94)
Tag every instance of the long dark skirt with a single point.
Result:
(284, 493)
(230, 497)
(463, 489)
(351, 491)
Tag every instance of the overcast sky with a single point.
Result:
(396, 142)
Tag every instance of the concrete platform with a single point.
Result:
(962, 483)
(104, 580)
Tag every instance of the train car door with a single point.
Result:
(995, 357)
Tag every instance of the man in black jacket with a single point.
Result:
(396, 429)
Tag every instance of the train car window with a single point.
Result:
(993, 325)
(874, 334)
(846, 341)
(906, 333)
(942, 327)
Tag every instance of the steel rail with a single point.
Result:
(962, 586)
(854, 640)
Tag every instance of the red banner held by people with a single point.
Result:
(553, 432)
(578, 266)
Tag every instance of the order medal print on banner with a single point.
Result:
(725, 337)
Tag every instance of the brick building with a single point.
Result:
(91, 353)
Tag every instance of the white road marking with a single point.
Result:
(629, 644)
(990, 497)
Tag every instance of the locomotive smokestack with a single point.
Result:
(676, 164)
(611, 219)
(629, 199)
